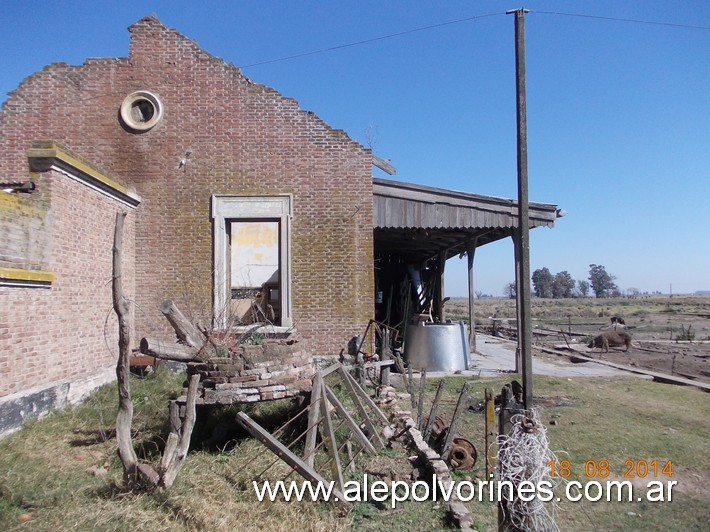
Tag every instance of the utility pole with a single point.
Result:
(522, 242)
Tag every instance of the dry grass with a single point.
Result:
(46, 469)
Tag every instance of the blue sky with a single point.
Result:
(618, 111)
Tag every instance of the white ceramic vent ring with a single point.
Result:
(141, 110)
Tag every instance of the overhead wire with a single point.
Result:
(460, 21)
(619, 19)
(373, 39)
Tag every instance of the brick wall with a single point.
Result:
(242, 138)
(67, 331)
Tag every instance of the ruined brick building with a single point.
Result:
(205, 162)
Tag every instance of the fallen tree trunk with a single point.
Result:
(162, 350)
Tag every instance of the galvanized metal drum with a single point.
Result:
(436, 346)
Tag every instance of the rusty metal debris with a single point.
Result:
(463, 454)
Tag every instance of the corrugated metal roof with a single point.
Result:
(416, 222)
(404, 205)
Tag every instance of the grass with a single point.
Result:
(61, 472)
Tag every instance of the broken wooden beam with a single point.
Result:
(186, 332)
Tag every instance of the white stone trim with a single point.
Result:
(230, 207)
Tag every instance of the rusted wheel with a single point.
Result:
(463, 454)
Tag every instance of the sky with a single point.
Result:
(618, 102)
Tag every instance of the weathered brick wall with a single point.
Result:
(62, 332)
(242, 138)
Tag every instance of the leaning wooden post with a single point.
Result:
(313, 417)
(386, 348)
(124, 418)
(432, 412)
(177, 447)
(331, 444)
(458, 412)
(420, 403)
(491, 434)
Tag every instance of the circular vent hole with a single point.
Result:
(141, 111)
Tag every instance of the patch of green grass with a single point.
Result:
(47, 468)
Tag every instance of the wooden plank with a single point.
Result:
(313, 415)
(349, 421)
(331, 444)
(383, 165)
(655, 374)
(371, 428)
(283, 452)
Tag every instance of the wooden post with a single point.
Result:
(313, 416)
(458, 413)
(124, 418)
(175, 454)
(329, 436)
(432, 412)
(412, 395)
(524, 323)
(508, 407)
(439, 287)
(420, 403)
(386, 354)
(491, 434)
(470, 253)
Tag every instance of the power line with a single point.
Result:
(467, 19)
(373, 39)
(617, 19)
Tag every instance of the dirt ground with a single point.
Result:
(668, 335)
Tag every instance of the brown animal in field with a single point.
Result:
(617, 320)
(611, 339)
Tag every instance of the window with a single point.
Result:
(251, 260)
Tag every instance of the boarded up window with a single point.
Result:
(254, 253)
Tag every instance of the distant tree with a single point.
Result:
(562, 285)
(602, 283)
(510, 290)
(542, 282)
(479, 294)
(582, 288)
(633, 292)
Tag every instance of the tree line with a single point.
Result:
(562, 285)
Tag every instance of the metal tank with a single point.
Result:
(436, 346)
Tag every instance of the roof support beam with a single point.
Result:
(470, 253)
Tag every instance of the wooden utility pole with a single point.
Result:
(523, 241)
